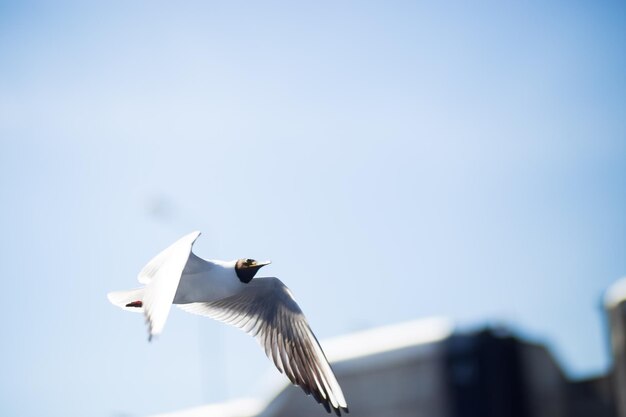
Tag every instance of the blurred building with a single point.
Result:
(427, 368)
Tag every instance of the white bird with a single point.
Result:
(226, 291)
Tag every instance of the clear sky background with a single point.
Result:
(395, 160)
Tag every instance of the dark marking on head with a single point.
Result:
(246, 269)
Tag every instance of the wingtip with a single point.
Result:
(337, 410)
(341, 409)
(190, 237)
(332, 409)
(152, 336)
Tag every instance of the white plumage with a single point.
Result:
(262, 307)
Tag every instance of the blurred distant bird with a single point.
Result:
(225, 291)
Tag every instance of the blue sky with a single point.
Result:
(394, 161)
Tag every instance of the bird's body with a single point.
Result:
(225, 291)
(207, 280)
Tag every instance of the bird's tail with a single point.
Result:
(131, 300)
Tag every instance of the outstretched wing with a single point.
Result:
(266, 310)
(161, 276)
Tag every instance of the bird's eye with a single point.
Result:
(249, 261)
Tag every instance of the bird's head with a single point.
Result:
(246, 269)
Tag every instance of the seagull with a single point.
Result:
(226, 291)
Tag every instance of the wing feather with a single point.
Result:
(162, 276)
(266, 310)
